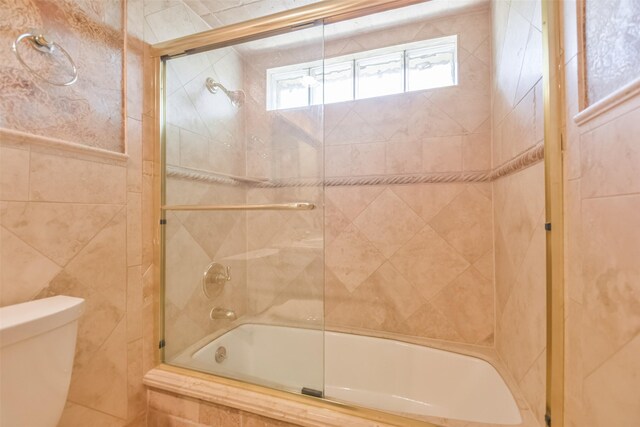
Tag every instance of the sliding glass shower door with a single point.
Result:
(243, 212)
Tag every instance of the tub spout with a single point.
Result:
(222, 313)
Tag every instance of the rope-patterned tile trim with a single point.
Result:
(201, 176)
(524, 160)
(446, 177)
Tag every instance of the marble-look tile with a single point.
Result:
(468, 302)
(352, 258)
(334, 221)
(183, 277)
(522, 325)
(466, 224)
(428, 199)
(134, 69)
(533, 387)
(60, 179)
(388, 223)
(368, 159)
(134, 150)
(57, 230)
(518, 131)
(78, 415)
(97, 323)
(102, 383)
(442, 154)
(25, 271)
(531, 71)
(253, 420)
(610, 271)
(610, 396)
(352, 200)
(134, 229)
(476, 152)
(610, 159)
(403, 156)
(215, 415)
(171, 404)
(429, 262)
(101, 264)
(337, 160)
(468, 106)
(438, 123)
(14, 174)
(387, 296)
(428, 321)
(510, 58)
(134, 303)
(136, 391)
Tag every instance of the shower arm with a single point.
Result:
(236, 97)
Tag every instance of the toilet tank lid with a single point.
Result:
(26, 320)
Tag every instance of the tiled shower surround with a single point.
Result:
(416, 259)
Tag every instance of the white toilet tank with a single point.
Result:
(37, 345)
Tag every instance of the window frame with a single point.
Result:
(450, 42)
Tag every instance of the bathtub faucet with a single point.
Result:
(222, 313)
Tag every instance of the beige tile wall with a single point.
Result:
(167, 409)
(413, 260)
(602, 201)
(72, 223)
(518, 208)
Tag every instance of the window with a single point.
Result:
(414, 66)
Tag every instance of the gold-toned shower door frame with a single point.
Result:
(332, 11)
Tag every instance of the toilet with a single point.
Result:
(37, 345)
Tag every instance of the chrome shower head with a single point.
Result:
(236, 97)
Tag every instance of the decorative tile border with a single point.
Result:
(609, 102)
(523, 160)
(10, 137)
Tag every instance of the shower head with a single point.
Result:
(235, 96)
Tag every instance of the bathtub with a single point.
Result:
(371, 372)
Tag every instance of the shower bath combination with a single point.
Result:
(353, 227)
(236, 97)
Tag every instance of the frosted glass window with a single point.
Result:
(429, 68)
(380, 75)
(291, 89)
(337, 83)
(427, 64)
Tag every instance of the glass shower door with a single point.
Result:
(243, 203)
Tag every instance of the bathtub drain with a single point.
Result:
(221, 354)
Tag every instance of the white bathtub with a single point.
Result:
(372, 372)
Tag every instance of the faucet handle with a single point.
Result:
(214, 279)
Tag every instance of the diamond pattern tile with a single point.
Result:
(388, 223)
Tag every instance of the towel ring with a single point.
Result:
(39, 42)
